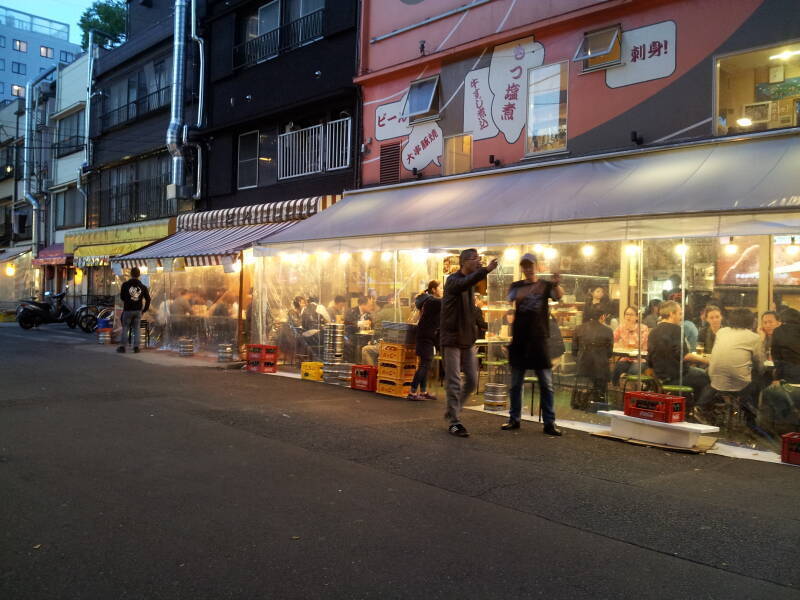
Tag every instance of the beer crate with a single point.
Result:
(364, 377)
(311, 371)
(396, 352)
(261, 352)
(393, 387)
(655, 407)
(400, 370)
(790, 449)
(262, 366)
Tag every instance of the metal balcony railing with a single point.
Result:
(314, 149)
(136, 109)
(69, 145)
(283, 39)
(141, 200)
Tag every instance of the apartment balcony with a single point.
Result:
(283, 39)
(136, 109)
(68, 146)
(142, 200)
(315, 149)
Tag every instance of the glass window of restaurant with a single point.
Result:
(618, 326)
(759, 89)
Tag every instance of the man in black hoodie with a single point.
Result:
(135, 302)
(458, 332)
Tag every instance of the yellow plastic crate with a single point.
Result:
(396, 352)
(393, 387)
(401, 371)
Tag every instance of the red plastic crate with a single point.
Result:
(263, 366)
(364, 377)
(655, 407)
(790, 451)
(261, 352)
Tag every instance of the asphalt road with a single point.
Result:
(123, 478)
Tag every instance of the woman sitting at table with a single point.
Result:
(631, 337)
(598, 300)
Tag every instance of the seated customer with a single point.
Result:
(593, 344)
(786, 346)
(769, 323)
(708, 332)
(736, 357)
(631, 336)
(667, 353)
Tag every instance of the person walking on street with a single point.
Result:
(529, 342)
(135, 302)
(429, 303)
(458, 332)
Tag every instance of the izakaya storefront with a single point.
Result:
(710, 224)
(201, 278)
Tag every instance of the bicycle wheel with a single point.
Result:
(89, 323)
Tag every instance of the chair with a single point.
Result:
(533, 381)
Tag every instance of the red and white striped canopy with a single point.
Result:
(202, 247)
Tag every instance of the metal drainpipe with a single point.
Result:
(174, 136)
(87, 120)
(26, 182)
(198, 190)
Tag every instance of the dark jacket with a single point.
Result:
(665, 350)
(134, 295)
(480, 322)
(592, 345)
(707, 338)
(786, 352)
(429, 320)
(555, 343)
(458, 327)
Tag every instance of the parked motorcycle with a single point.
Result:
(32, 314)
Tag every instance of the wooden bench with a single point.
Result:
(679, 435)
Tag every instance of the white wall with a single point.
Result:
(71, 86)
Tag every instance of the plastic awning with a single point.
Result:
(204, 246)
(52, 255)
(12, 253)
(95, 247)
(743, 178)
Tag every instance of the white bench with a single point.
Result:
(679, 435)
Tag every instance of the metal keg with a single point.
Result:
(224, 352)
(333, 350)
(144, 333)
(186, 347)
(103, 337)
(495, 397)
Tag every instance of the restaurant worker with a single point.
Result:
(135, 302)
(529, 341)
(458, 332)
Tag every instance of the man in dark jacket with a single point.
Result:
(592, 345)
(786, 347)
(135, 302)
(529, 342)
(458, 332)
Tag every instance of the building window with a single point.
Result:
(20, 46)
(45, 52)
(18, 90)
(68, 208)
(758, 90)
(2, 64)
(600, 49)
(547, 108)
(2, 41)
(70, 134)
(19, 68)
(457, 154)
(423, 99)
(248, 161)
(65, 57)
(2, 88)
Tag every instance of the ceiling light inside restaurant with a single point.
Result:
(386, 256)
(366, 255)
(785, 55)
(588, 251)
(793, 249)
(681, 249)
(510, 255)
(731, 248)
(550, 253)
(10, 269)
(344, 257)
(538, 248)
(744, 122)
(631, 249)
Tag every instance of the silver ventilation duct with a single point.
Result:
(175, 142)
(198, 190)
(28, 160)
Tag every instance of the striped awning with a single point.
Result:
(270, 212)
(202, 247)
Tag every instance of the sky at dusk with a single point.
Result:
(66, 11)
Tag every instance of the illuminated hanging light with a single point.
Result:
(632, 249)
(793, 249)
(550, 253)
(366, 255)
(249, 257)
(386, 256)
(322, 254)
(419, 256)
(10, 269)
(730, 247)
(78, 276)
(681, 249)
(511, 255)
(588, 251)
(344, 257)
(744, 122)
(538, 248)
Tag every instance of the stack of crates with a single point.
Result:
(262, 359)
(311, 371)
(397, 364)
